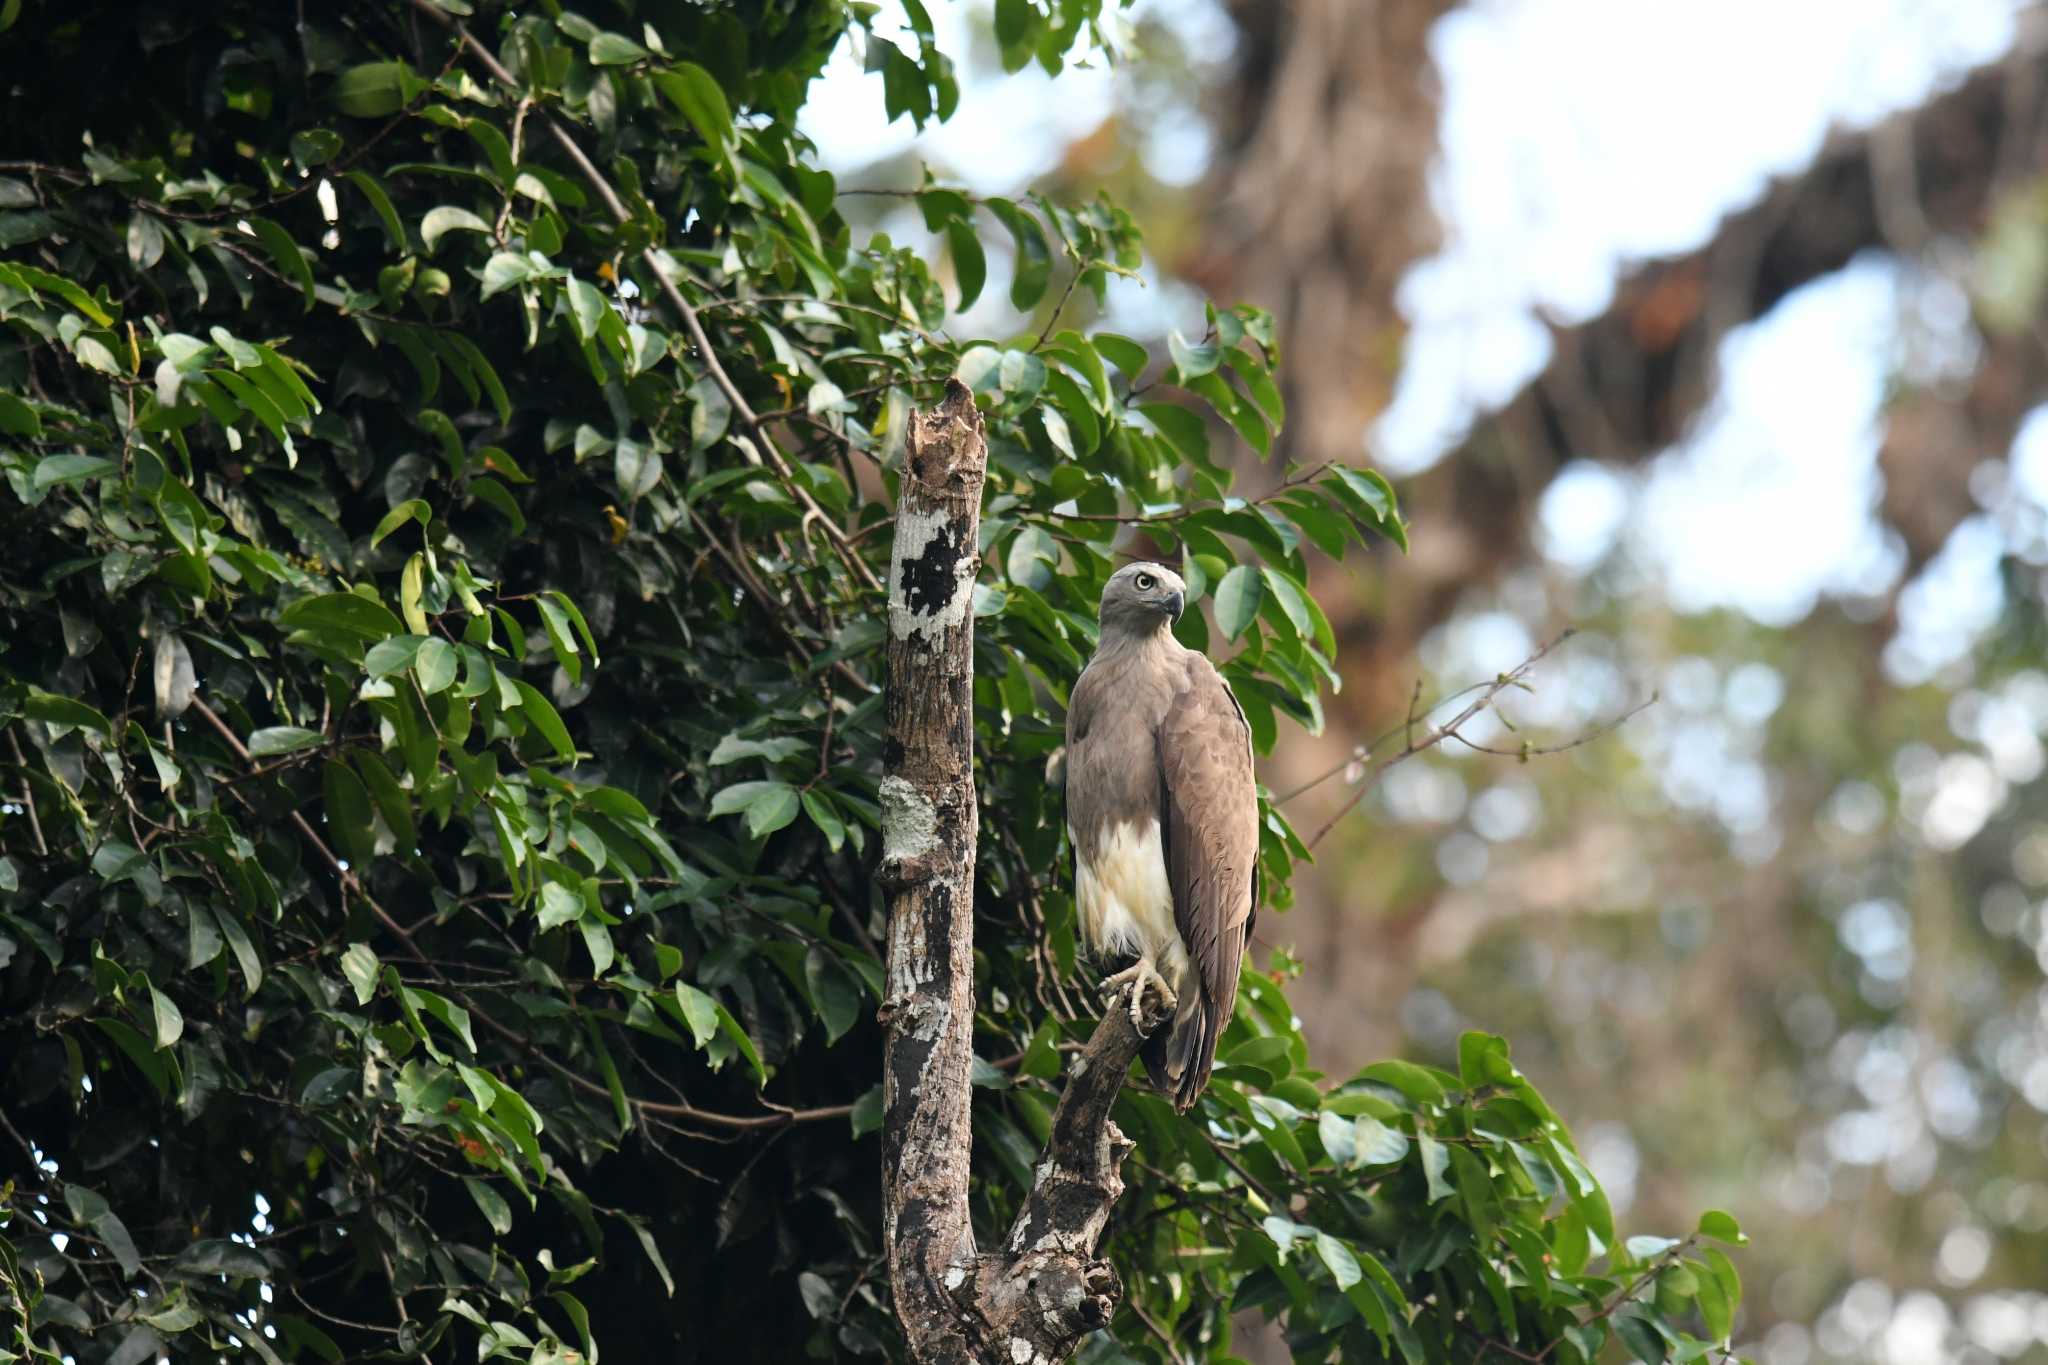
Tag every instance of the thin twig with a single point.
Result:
(28, 796)
(1439, 733)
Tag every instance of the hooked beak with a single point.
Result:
(1175, 605)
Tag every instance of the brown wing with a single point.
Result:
(1210, 816)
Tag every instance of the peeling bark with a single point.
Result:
(1031, 1301)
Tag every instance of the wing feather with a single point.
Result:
(1210, 820)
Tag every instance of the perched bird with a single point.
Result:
(1163, 814)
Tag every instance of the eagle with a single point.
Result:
(1163, 816)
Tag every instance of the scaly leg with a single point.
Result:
(1140, 976)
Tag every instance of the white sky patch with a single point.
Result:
(2029, 460)
(1944, 611)
(1553, 179)
(1581, 514)
(1771, 501)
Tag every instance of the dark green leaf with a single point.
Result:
(374, 89)
(1237, 600)
(348, 812)
(282, 739)
(1034, 254)
(835, 990)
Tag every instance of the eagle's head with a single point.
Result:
(1142, 598)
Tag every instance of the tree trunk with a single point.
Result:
(1030, 1302)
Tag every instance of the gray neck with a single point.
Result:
(1119, 642)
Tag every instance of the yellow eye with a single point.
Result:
(1144, 581)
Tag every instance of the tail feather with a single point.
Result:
(1180, 1053)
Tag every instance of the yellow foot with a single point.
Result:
(1141, 976)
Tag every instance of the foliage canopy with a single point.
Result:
(447, 488)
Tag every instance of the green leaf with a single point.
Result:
(412, 509)
(1723, 1272)
(546, 719)
(597, 941)
(282, 739)
(653, 1254)
(1722, 1227)
(1124, 353)
(768, 805)
(1411, 1080)
(610, 49)
(53, 470)
(1342, 1264)
(348, 812)
(490, 1204)
(346, 612)
(374, 89)
(556, 622)
(1377, 1144)
(504, 270)
(17, 418)
(1436, 1159)
(1033, 558)
(819, 808)
(394, 655)
(1237, 600)
(360, 966)
(559, 905)
(1034, 254)
(441, 221)
(587, 308)
(867, 1112)
(168, 1023)
(285, 252)
(93, 1210)
(970, 265)
(392, 801)
(732, 749)
(1715, 1310)
(1191, 360)
(835, 990)
(1293, 602)
(1649, 1248)
(700, 1012)
(1641, 1338)
(52, 709)
(435, 665)
(1340, 1138)
(732, 1030)
(380, 203)
(698, 98)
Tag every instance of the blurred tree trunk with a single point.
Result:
(1326, 136)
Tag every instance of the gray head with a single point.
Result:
(1142, 599)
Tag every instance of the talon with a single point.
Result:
(1140, 977)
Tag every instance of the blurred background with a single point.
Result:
(1719, 333)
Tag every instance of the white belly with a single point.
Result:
(1125, 902)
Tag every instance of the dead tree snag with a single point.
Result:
(1032, 1299)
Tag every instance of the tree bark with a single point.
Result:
(1031, 1301)
(929, 826)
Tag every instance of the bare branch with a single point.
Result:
(1434, 735)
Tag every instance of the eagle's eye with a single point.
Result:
(1145, 582)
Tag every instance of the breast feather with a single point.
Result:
(1125, 901)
